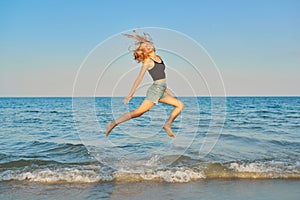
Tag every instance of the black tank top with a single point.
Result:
(158, 71)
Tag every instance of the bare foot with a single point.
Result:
(110, 126)
(168, 130)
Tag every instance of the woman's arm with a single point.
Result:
(138, 80)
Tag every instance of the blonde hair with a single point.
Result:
(140, 55)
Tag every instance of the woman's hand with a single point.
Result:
(127, 99)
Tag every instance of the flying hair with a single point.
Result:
(139, 39)
(139, 52)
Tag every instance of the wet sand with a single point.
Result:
(216, 189)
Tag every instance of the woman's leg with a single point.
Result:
(176, 111)
(144, 107)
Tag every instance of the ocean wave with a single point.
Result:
(64, 148)
(96, 173)
(44, 153)
(21, 163)
(242, 138)
(55, 175)
(285, 143)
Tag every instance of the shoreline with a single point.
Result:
(213, 189)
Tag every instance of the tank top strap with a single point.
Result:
(156, 61)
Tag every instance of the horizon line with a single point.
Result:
(104, 96)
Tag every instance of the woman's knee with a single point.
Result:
(180, 105)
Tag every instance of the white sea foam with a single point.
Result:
(180, 175)
(95, 173)
(265, 167)
(250, 167)
(57, 175)
(174, 175)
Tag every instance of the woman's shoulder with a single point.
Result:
(148, 63)
(159, 57)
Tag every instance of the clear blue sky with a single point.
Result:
(255, 43)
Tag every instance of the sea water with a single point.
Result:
(46, 152)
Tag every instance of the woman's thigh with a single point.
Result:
(144, 107)
(171, 101)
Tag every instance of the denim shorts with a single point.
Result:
(156, 91)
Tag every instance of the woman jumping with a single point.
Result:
(157, 92)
